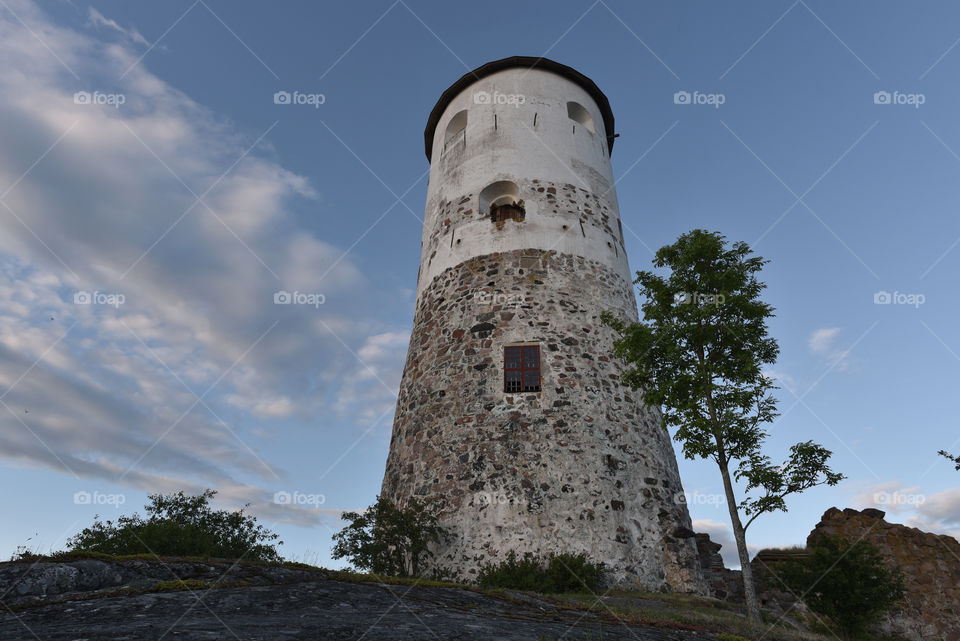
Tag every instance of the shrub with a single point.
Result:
(386, 539)
(848, 584)
(575, 573)
(515, 574)
(181, 525)
(564, 572)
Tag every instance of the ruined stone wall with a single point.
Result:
(930, 564)
(582, 466)
(723, 583)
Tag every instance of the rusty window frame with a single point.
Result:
(521, 369)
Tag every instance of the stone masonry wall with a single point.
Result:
(930, 564)
(582, 466)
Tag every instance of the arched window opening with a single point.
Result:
(456, 130)
(502, 200)
(578, 113)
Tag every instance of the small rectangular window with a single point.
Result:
(521, 368)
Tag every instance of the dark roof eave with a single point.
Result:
(528, 62)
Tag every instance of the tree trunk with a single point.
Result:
(739, 535)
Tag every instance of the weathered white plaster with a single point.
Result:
(556, 149)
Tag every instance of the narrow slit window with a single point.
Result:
(521, 368)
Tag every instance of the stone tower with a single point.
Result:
(510, 409)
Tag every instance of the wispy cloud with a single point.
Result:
(176, 385)
(99, 20)
(823, 343)
(933, 512)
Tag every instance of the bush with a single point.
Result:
(181, 525)
(564, 572)
(848, 584)
(386, 539)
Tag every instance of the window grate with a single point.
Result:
(508, 211)
(521, 368)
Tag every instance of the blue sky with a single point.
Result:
(182, 198)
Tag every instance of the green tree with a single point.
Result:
(181, 525)
(390, 540)
(953, 459)
(848, 584)
(699, 355)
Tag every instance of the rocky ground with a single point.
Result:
(94, 600)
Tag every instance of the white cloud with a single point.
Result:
(722, 533)
(108, 391)
(821, 341)
(937, 512)
(99, 20)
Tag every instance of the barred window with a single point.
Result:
(507, 210)
(521, 368)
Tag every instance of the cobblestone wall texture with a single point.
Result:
(582, 466)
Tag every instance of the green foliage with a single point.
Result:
(559, 573)
(703, 335)
(806, 467)
(848, 584)
(386, 539)
(25, 554)
(953, 459)
(699, 354)
(181, 525)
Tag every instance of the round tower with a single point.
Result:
(511, 412)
